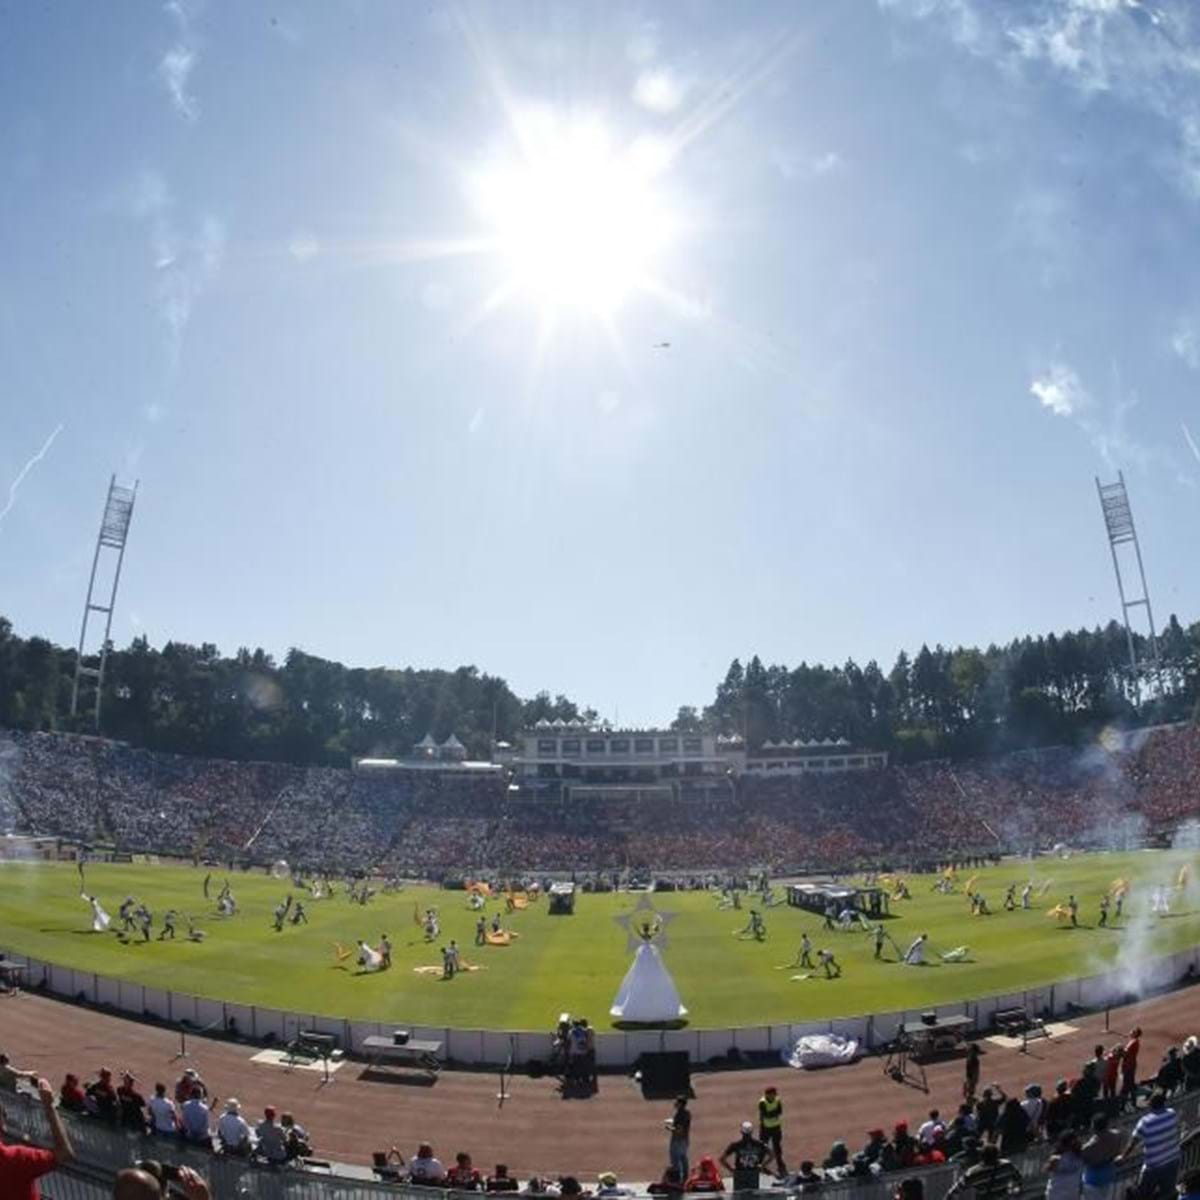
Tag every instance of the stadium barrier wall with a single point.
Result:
(490, 1048)
(102, 1150)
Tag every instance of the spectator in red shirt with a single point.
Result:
(22, 1166)
(71, 1095)
(1129, 1067)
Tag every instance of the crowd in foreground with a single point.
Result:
(984, 1141)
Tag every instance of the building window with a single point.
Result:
(643, 745)
(570, 746)
(837, 763)
(774, 766)
(595, 746)
(668, 745)
(854, 762)
(547, 745)
(619, 746)
(816, 764)
(692, 745)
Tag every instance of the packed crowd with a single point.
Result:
(439, 822)
(1087, 1127)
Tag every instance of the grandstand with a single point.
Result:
(600, 801)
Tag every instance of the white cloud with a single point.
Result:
(642, 47)
(1185, 341)
(184, 263)
(1142, 55)
(303, 246)
(475, 424)
(660, 91)
(179, 60)
(1060, 390)
(831, 160)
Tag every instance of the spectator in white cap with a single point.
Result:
(232, 1131)
(745, 1158)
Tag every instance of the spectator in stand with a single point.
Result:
(669, 1185)
(745, 1159)
(500, 1180)
(706, 1177)
(194, 1118)
(71, 1095)
(1013, 1128)
(1129, 1068)
(1190, 1059)
(187, 1084)
(102, 1097)
(22, 1166)
(1065, 1168)
(463, 1177)
(1112, 1072)
(987, 1111)
(147, 1180)
(1170, 1073)
(1158, 1134)
(607, 1185)
(233, 1132)
(1058, 1111)
(929, 1129)
(271, 1138)
(299, 1144)
(164, 1113)
(989, 1179)
(1099, 1154)
(131, 1104)
(424, 1167)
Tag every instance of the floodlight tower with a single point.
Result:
(114, 529)
(1118, 523)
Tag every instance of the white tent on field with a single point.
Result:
(647, 994)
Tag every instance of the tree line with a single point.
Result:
(312, 711)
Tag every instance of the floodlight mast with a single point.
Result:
(114, 531)
(1121, 530)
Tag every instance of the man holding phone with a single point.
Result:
(22, 1166)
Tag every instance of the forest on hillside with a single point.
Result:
(938, 702)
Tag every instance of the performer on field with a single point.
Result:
(299, 916)
(832, 970)
(1073, 910)
(168, 929)
(207, 881)
(100, 919)
(481, 931)
(1010, 897)
(914, 956)
(1103, 911)
(1026, 892)
(280, 914)
(880, 935)
(144, 920)
(805, 951)
(385, 950)
(125, 913)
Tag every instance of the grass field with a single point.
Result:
(575, 963)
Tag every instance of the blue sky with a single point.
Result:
(925, 267)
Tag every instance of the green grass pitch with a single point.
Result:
(575, 963)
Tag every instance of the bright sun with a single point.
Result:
(577, 219)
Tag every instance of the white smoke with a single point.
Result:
(33, 462)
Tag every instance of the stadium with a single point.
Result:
(617, 659)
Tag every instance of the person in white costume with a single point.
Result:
(647, 993)
(100, 919)
(914, 956)
(368, 959)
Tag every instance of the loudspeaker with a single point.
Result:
(929, 1018)
(665, 1075)
(400, 1037)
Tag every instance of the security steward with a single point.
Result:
(770, 1125)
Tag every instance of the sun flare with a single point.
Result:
(577, 218)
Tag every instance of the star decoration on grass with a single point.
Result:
(645, 923)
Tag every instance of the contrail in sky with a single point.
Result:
(1187, 434)
(33, 462)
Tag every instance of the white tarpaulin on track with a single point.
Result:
(647, 993)
(821, 1050)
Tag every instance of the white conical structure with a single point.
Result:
(647, 994)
